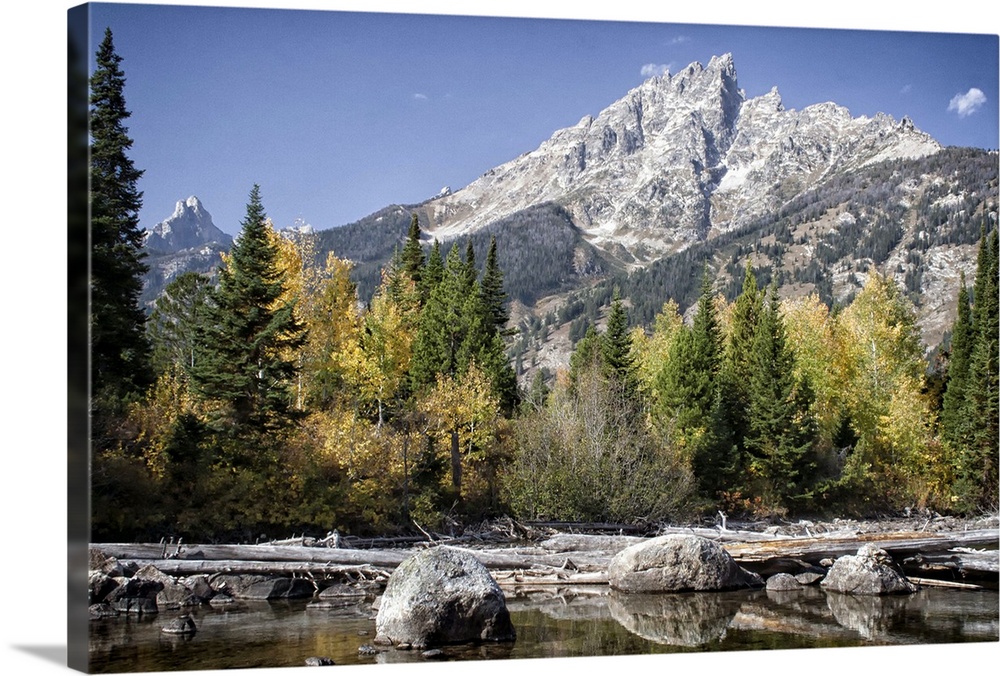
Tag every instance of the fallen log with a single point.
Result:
(961, 562)
(383, 558)
(898, 545)
(927, 582)
(185, 568)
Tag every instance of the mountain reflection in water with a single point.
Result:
(568, 622)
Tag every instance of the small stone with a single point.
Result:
(809, 578)
(180, 625)
(783, 582)
(433, 654)
(367, 649)
(319, 662)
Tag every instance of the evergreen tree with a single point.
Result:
(470, 266)
(737, 365)
(173, 324)
(705, 330)
(243, 360)
(411, 259)
(433, 271)
(494, 297)
(120, 351)
(980, 428)
(617, 344)
(958, 367)
(782, 430)
(443, 326)
(617, 350)
(689, 408)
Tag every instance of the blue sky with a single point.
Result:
(337, 114)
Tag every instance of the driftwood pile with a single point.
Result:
(959, 558)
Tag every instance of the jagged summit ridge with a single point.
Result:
(189, 226)
(678, 157)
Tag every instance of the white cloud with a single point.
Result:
(420, 97)
(679, 40)
(657, 69)
(968, 103)
(906, 89)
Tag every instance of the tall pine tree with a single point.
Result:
(494, 297)
(412, 256)
(737, 365)
(243, 359)
(979, 428)
(782, 430)
(120, 351)
(958, 367)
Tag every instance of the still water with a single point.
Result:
(569, 622)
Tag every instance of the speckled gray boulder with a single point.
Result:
(675, 563)
(442, 596)
(783, 582)
(869, 572)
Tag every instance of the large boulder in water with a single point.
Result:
(676, 563)
(440, 596)
(869, 572)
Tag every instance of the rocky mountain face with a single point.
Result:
(187, 241)
(188, 227)
(678, 158)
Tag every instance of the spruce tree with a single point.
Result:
(979, 427)
(470, 265)
(689, 405)
(782, 430)
(120, 351)
(617, 350)
(411, 259)
(737, 363)
(244, 360)
(433, 272)
(494, 297)
(441, 333)
(958, 367)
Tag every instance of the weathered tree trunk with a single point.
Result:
(456, 463)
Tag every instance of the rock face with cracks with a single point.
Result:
(676, 563)
(442, 596)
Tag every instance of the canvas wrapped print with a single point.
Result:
(407, 338)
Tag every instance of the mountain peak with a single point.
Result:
(189, 226)
(676, 158)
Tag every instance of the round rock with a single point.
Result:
(783, 582)
(675, 563)
(869, 572)
(442, 596)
